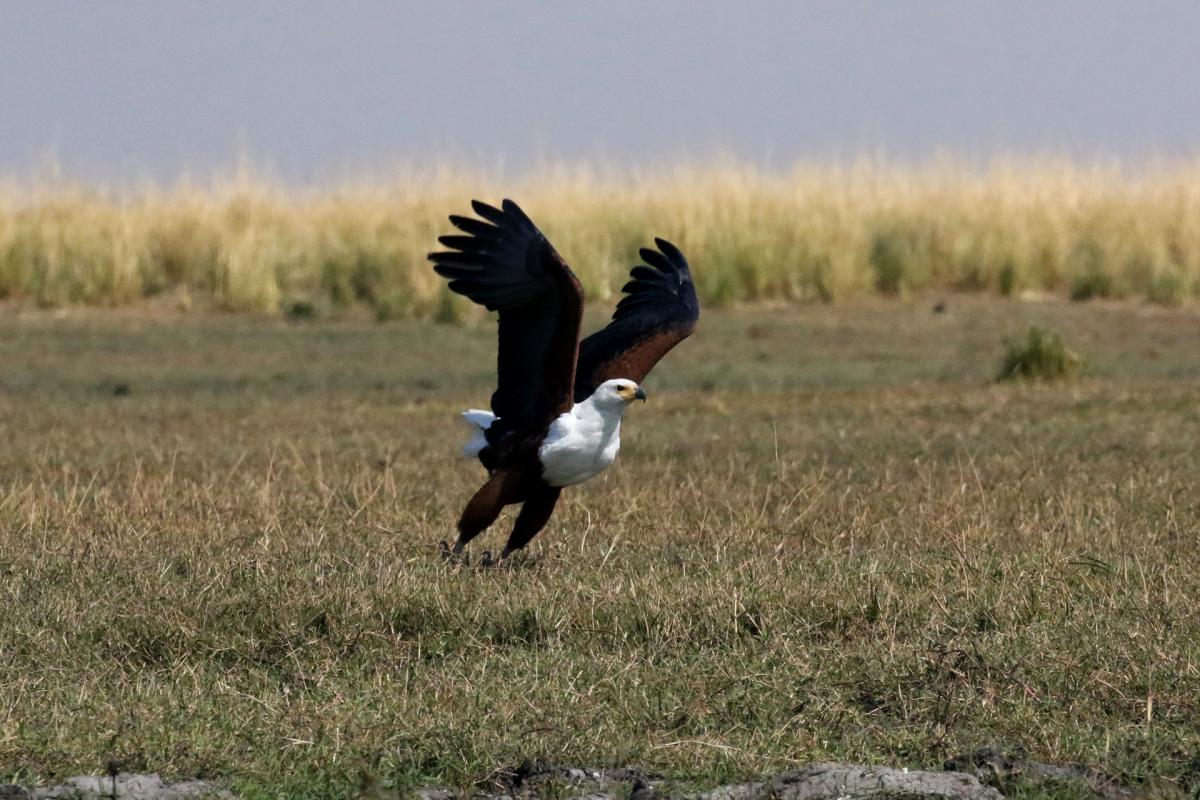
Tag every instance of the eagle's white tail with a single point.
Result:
(479, 421)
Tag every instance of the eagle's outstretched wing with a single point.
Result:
(505, 263)
(659, 310)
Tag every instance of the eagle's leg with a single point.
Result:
(483, 508)
(539, 505)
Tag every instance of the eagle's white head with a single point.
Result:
(617, 393)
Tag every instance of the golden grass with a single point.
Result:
(829, 232)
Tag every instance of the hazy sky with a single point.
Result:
(318, 89)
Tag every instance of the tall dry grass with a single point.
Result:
(825, 232)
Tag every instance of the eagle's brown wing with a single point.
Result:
(659, 310)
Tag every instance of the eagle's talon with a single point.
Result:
(454, 555)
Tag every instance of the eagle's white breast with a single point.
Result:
(581, 443)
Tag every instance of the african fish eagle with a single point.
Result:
(556, 412)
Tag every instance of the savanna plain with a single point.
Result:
(831, 533)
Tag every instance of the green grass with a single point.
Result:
(1041, 355)
(829, 535)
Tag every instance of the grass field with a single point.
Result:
(829, 535)
(815, 231)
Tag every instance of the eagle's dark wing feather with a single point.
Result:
(659, 310)
(503, 262)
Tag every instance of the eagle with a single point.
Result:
(555, 416)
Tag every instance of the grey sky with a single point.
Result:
(123, 89)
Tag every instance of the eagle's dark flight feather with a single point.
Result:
(507, 265)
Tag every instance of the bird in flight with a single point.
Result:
(556, 412)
